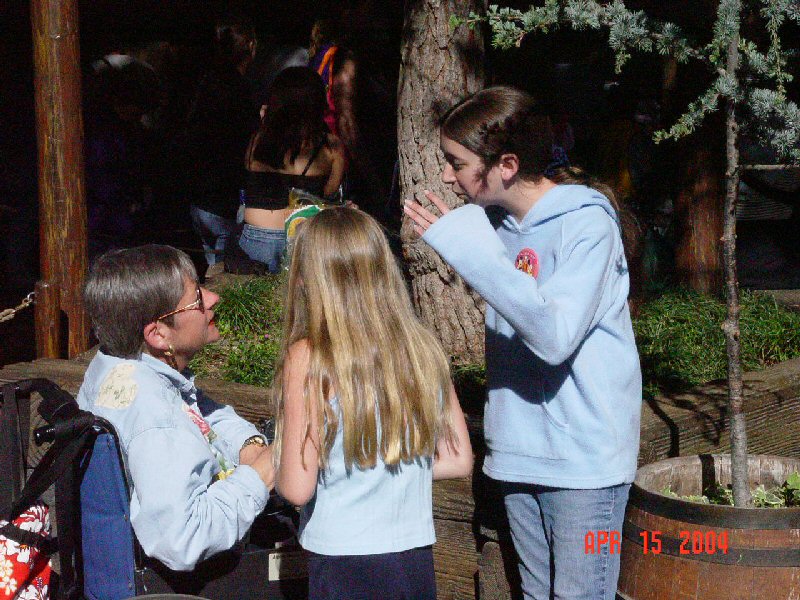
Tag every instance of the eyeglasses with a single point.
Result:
(197, 304)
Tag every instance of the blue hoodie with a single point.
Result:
(563, 377)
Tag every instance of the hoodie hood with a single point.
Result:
(558, 201)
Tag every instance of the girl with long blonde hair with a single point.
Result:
(366, 414)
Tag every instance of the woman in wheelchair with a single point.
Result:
(199, 474)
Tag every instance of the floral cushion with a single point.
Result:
(24, 570)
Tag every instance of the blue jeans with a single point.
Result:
(264, 245)
(549, 527)
(214, 232)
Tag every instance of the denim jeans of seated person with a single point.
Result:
(213, 230)
(549, 527)
(264, 245)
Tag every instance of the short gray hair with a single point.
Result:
(127, 289)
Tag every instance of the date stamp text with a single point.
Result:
(689, 542)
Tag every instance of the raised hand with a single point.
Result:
(422, 217)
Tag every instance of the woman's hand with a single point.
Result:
(264, 467)
(249, 454)
(422, 217)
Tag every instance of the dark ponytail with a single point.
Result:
(629, 225)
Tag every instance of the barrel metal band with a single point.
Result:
(745, 557)
(714, 516)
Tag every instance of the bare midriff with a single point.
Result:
(266, 219)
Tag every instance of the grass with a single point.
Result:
(249, 319)
(681, 343)
(679, 337)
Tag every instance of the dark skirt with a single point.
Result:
(406, 575)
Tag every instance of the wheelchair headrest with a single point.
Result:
(57, 404)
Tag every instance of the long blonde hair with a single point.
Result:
(347, 297)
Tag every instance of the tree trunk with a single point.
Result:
(698, 216)
(699, 193)
(439, 66)
(739, 479)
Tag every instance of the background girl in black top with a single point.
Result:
(292, 148)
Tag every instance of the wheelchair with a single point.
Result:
(99, 557)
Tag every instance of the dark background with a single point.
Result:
(570, 73)
(107, 25)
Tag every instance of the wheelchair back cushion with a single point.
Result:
(107, 537)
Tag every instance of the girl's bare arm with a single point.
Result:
(338, 165)
(296, 479)
(454, 458)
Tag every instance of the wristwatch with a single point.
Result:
(255, 439)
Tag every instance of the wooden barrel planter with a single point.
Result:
(674, 549)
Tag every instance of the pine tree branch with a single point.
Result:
(776, 122)
(774, 13)
(776, 119)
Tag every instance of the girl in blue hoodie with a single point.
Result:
(564, 385)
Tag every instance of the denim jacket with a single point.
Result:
(190, 498)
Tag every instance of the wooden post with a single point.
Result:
(62, 207)
(47, 319)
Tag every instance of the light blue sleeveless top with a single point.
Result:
(373, 511)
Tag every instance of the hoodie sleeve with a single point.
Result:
(553, 318)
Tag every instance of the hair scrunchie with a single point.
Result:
(560, 161)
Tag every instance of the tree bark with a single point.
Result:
(439, 66)
(739, 478)
(698, 216)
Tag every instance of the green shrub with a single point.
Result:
(780, 496)
(249, 317)
(251, 306)
(681, 343)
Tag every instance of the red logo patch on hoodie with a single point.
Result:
(527, 262)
